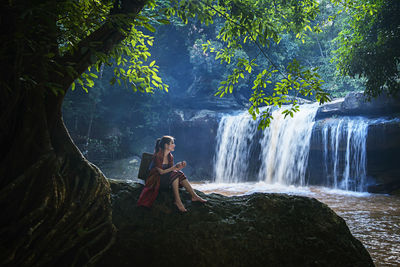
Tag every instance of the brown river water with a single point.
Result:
(372, 218)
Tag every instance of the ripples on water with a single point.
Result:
(373, 219)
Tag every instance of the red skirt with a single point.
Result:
(150, 190)
(167, 179)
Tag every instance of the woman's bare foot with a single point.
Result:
(180, 207)
(199, 199)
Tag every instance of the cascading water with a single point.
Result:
(337, 158)
(283, 149)
(285, 146)
(344, 142)
(235, 133)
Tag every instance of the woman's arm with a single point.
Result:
(161, 171)
(177, 167)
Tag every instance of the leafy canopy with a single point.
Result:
(259, 23)
(130, 57)
(245, 23)
(369, 45)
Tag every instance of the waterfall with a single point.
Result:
(281, 151)
(344, 142)
(285, 146)
(235, 134)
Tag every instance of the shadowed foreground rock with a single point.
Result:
(254, 230)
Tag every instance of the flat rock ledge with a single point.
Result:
(252, 230)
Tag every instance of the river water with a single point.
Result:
(372, 218)
(278, 158)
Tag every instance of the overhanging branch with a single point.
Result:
(102, 40)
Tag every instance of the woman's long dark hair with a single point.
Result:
(160, 143)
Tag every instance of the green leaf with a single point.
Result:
(158, 79)
(164, 21)
(149, 27)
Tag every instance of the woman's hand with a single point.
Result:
(180, 165)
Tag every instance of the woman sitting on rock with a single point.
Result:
(164, 174)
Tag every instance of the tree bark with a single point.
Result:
(55, 204)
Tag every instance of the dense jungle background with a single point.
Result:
(111, 122)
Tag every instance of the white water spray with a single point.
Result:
(350, 135)
(285, 146)
(283, 149)
(235, 133)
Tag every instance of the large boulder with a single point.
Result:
(253, 230)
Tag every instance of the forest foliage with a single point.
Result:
(258, 53)
(265, 53)
(367, 46)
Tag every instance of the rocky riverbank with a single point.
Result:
(254, 230)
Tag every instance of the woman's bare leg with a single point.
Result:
(178, 201)
(185, 183)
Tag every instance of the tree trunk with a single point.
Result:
(55, 204)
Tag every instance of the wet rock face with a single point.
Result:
(255, 230)
(356, 104)
(195, 133)
(382, 156)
